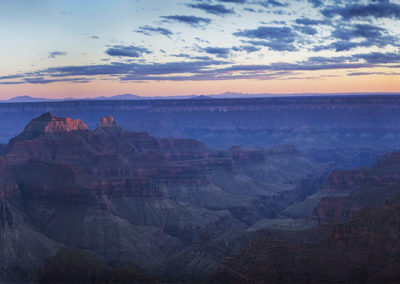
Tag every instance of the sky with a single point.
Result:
(89, 48)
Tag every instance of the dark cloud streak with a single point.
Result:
(370, 36)
(233, 1)
(383, 9)
(54, 54)
(271, 3)
(276, 38)
(217, 9)
(149, 30)
(189, 20)
(218, 51)
(126, 51)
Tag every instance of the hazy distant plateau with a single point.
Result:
(307, 122)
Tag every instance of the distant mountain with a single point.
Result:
(231, 95)
(118, 97)
(29, 99)
(226, 95)
(26, 99)
(201, 97)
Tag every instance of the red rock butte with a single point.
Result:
(47, 122)
(107, 121)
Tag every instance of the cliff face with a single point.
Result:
(344, 180)
(363, 250)
(359, 213)
(345, 192)
(335, 210)
(8, 186)
(110, 152)
(129, 196)
(107, 121)
(48, 123)
(309, 122)
(59, 158)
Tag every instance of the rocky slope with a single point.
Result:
(345, 192)
(358, 216)
(363, 250)
(128, 196)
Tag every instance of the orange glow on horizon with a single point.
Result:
(339, 84)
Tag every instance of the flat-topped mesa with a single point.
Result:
(107, 121)
(48, 123)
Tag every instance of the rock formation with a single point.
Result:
(350, 131)
(183, 207)
(49, 123)
(129, 196)
(358, 216)
(107, 121)
(363, 250)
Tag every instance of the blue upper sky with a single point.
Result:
(50, 45)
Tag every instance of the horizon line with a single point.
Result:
(224, 95)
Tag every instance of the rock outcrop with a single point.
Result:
(347, 191)
(8, 185)
(358, 212)
(107, 121)
(129, 196)
(363, 250)
(48, 123)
